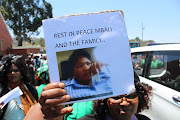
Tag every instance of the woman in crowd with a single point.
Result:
(123, 107)
(14, 73)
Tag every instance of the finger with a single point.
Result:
(53, 93)
(98, 65)
(53, 97)
(54, 85)
(56, 101)
(50, 104)
(66, 110)
(94, 68)
(57, 107)
(51, 90)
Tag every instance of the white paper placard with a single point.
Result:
(103, 35)
(9, 96)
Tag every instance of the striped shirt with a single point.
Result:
(99, 88)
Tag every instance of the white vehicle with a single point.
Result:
(159, 66)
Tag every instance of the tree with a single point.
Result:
(143, 43)
(24, 17)
(40, 42)
(137, 39)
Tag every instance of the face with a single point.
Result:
(123, 107)
(154, 57)
(82, 71)
(14, 75)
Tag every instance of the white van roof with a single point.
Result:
(168, 47)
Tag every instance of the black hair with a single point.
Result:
(17, 60)
(76, 55)
(143, 90)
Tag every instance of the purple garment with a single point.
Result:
(108, 117)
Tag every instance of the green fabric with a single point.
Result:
(142, 62)
(42, 62)
(39, 89)
(42, 73)
(79, 110)
(156, 64)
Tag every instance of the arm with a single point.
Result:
(48, 107)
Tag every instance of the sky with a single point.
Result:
(159, 18)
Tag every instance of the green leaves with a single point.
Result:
(24, 17)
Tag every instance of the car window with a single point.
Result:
(138, 61)
(165, 68)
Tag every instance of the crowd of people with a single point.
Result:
(35, 65)
(43, 102)
(139, 61)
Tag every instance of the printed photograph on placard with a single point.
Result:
(84, 76)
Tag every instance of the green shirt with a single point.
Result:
(156, 64)
(79, 110)
(39, 89)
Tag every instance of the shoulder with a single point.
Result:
(32, 90)
(67, 82)
(142, 117)
(4, 90)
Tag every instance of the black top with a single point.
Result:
(96, 117)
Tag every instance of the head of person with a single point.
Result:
(32, 56)
(44, 57)
(154, 57)
(36, 57)
(80, 64)
(28, 61)
(13, 70)
(124, 107)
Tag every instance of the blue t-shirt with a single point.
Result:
(98, 88)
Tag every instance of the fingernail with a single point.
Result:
(61, 85)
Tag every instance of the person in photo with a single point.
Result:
(86, 80)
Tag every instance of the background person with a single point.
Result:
(36, 62)
(123, 107)
(43, 60)
(14, 73)
(31, 71)
(42, 78)
(156, 63)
